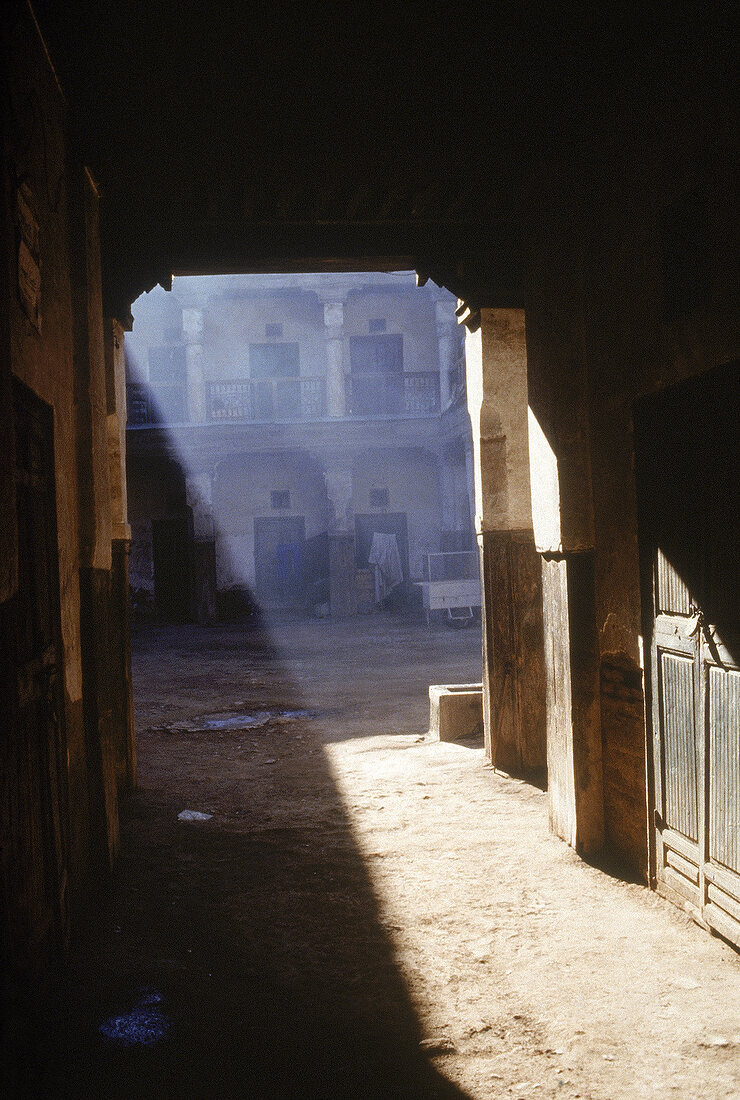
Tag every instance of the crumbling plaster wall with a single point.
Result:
(44, 359)
(241, 492)
(53, 332)
(413, 482)
(411, 314)
(232, 324)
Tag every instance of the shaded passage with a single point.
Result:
(242, 955)
(365, 913)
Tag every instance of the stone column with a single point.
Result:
(513, 667)
(562, 511)
(334, 335)
(448, 341)
(342, 591)
(120, 644)
(192, 327)
(470, 483)
(94, 521)
(199, 498)
(447, 487)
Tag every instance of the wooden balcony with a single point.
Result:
(265, 400)
(414, 393)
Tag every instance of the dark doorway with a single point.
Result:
(376, 381)
(34, 760)
(387, 523)
(279, 559)
(171, 547)
(687, 453)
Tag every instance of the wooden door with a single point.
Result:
(279, 560)
(34, 748)
(690, 540)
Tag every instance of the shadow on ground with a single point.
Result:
(254, 938)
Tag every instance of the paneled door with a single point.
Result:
(279, 543)
(688, 449)
(33, 759)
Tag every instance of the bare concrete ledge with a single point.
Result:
(455, 711)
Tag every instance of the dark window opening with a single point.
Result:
(273, 361)
(280, 499)
(377, 324)
(376, 382)
(274, 331)
(379, 498)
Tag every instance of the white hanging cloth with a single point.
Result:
(386, 560)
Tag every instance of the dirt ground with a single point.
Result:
(366, 913)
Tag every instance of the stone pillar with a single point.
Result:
(342, 590)
(120, 654)
(448, 340)
(94, 520)
(447, 487)
(470, 482)
(513, 665)
(192, 327)
(334, 334)
(199, 498)
(562, 512)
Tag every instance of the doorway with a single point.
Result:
(172, 539)
(387, 523)
(34, 760)
(686, 442)
(279, 559)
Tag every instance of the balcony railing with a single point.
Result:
(267, 399)
(163, 405)
(414, 393)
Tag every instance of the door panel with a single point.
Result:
(687, 453)
(680, 770)
(34, 763)
(672, 593)
(723, 691)
(279, 560)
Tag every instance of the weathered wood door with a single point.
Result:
(279, 560)
(34, 765)
(690, 533)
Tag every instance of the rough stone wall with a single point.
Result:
(43, 359)
(51, 327)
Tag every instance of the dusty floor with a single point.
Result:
(366, 914)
